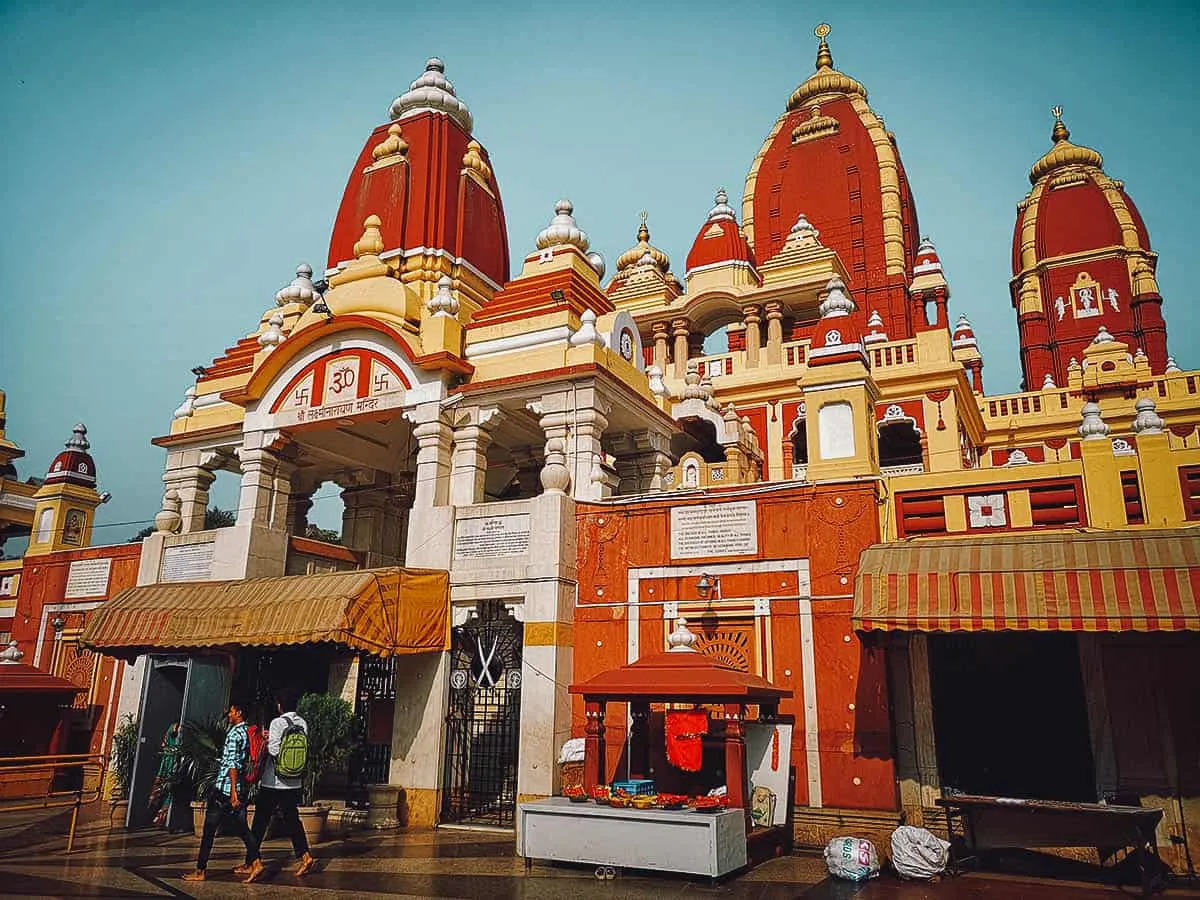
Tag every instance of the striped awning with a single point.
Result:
(1084, 581)
(382, 611)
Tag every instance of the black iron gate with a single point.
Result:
(374, 709)
(483, 720)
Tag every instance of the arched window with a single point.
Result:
(899, 444)
(799, 441)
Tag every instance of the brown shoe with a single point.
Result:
(256, 872)
(306, 864)
(198, 875)
(243, 869)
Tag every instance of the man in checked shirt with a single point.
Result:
(224, 803)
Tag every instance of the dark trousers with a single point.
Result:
(220, 810)
(284, 800)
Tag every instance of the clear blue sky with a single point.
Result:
(166, 167)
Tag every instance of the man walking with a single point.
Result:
(287, 750)
(224, 802)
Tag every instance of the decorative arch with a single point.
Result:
(338, 376)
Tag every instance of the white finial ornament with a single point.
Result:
(804, 232)
(682, 638)
(587, 333)
(722, 210)
(1093, 427)
(1171, 368)
(188, 406)
(876, 334)
(1103, 337)
(78, 440)
(1048, 383)
(597, 262)
(432, 92)
(300, 290)
(11, 655)
(443, 303)
(273, 336)
(554, 475)
(563, 229)
(693, 388)
(836, 303)
(168, 519)
(658, 387)
(1147, 420)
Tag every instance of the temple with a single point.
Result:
(953, 590)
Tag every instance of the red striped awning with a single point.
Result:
(1084, 581)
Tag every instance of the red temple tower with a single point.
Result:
(1081, 260)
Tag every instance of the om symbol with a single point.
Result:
(342, 379)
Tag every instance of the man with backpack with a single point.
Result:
(279, 787)
(225, 802)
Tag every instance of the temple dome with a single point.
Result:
(643, 247)
(830, 157)
(1063, 153)
(720, 240)
(74, 465)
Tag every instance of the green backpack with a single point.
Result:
(293, 751)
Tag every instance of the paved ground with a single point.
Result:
(453, 864)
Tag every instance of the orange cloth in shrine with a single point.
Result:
(685, 733)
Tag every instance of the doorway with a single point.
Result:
(483, 721)
(1010, 715)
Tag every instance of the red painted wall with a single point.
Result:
(829, 526)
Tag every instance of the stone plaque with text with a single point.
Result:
(187, 562)
(87, 578)
(718, 529)
(492, 536)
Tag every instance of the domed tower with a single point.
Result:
(1081, 259)
(432, 187)
(67, 500)
(830, 157)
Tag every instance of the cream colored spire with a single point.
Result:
(392, 145)
(637, 254)
(432, 92)
(371, 242)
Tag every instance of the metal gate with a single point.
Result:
(374, 707)
(483, 722)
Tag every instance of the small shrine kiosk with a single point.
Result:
(690, 839)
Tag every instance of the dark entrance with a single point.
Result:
(1010, 717)
(483, 724)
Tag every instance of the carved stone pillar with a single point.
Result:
(643, 461)
(434, 438)
(472, 437)
(257, 501)
(375, 519)
(299, 506)
(528, 461)
(774, 333)
(681, 329)
(752, 318)
(662, 341)
(192, 483)
(282, 493)
(940, 300)
(585, 455)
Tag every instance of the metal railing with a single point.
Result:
(66, 781)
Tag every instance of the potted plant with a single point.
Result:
(200, 745)
(331, 739)
(124, 747)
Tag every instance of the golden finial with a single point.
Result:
(392, 145)
(1060, 132)
(824, 57)
(643, 231)
(371, 242)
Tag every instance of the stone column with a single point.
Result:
(940, 299)
(192, 483)
(528, 461)
(375, 520)
(774, 333)
(752, 318)
(472, 437)
(282, 494)
(257, 499)
(434, 438)
(299, 506)
(681, 329)
(661, 344)
(586, 455)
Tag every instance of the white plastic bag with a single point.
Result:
(918, 854)
(852, 858)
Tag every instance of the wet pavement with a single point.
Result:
(455, 864)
